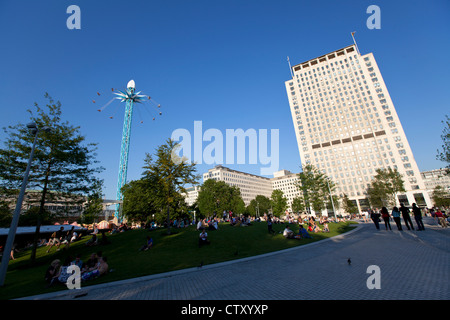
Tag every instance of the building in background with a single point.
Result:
(347, 126)
(250, 185)
(434, 178)
(286, 181)
(191, 195)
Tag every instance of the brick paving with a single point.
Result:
(414, 265)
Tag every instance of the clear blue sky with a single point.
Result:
(219, 62)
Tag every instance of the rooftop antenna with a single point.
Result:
(354, 41)
(290, 68)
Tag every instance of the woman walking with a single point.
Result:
(386, 217)
(396, 217)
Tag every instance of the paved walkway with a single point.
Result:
(413, 265)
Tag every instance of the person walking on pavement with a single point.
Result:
(406, 216)
(418, 217)
(396, 217)
(375, 216)
(386, 217)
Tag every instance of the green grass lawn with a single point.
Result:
(170, 252)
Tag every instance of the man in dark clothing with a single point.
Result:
(418, 217)
(406, 216)
(375, 216)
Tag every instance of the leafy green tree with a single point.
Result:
(31, 216)
(94, 206)
(138, 200)
(279, 202)
(171, 173)
(63, 164)
(348, 205)
(384, 187)
(5, 215)
(441, 197)
(315, 187)
(376, 195)
(444, 155)
(260, 204)
(298, 204)
(217, 196)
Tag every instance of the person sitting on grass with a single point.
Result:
(100, 269)
(288, 233)
(51, 274)
(78, 262)
(90, 263)
(92, 241)
(203, 238)
(56, 239)
(325, 225)
(303, 232)
(315, 228)
(148, 245)
(63, 273)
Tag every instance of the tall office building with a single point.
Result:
(347, 126)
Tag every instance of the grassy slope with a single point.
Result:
(170, 252)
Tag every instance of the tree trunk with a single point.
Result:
(41, 212)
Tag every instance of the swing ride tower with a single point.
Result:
(130, 98)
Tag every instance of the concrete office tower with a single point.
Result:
(252, 185)
(347, 126)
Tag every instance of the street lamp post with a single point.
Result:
(15, 220)
(257, 213)
(332, 202)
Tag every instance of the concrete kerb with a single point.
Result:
(72, 294)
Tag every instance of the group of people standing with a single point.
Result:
(396, 213)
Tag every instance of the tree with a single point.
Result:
(279, 202)
(298, 204)
(259, 204)
(348, 205)
(62, 162)
(171, 173)
(137, 200)
(444, 155)
(384, 187)
(94, 205)
(32, 215)
(217, 197)
(5, 215)
(315, 187)
(441, 197)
